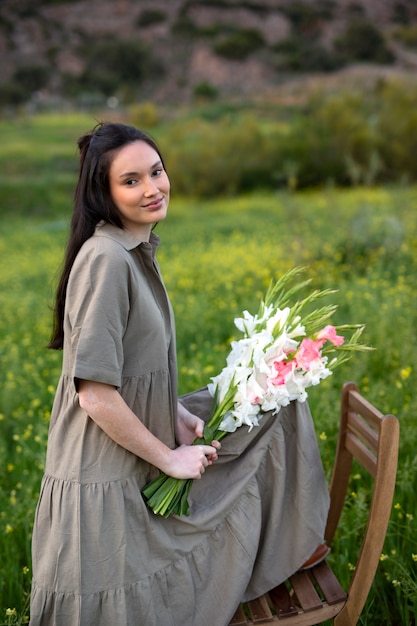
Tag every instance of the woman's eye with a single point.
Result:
(157, 172)
(131, 181)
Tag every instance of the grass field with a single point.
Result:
(217, 258)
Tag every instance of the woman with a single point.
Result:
(100, 556)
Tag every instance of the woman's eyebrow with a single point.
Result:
(124, 174)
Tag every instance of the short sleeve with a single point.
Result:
(98, 305)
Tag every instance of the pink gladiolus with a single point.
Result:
(308, 351)
(282, 368)
(329, 333)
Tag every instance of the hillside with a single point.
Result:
(172, 51)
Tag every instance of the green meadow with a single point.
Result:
(218, 256)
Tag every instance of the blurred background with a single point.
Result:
(328, 87)
(57, 54)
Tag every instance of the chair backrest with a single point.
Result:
(373, 439)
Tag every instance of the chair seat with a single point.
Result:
(316, 589)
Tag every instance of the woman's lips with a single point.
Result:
(155, 204)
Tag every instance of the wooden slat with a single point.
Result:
(361, 453)
(325, 612)
(305, 592)
(361, 428)
(282, 602)
(259, 610)
(239, 618)
(360, 405)
(328, 583)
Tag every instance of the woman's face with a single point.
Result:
(139, 187)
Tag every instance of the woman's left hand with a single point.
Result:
(189, 427)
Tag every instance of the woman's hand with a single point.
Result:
(190, 461)
(188, 426)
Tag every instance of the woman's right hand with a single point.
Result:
(190, 461)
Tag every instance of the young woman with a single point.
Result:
(259, 504)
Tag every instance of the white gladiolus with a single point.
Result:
(247, 323)
(229, 424)
(278, 320)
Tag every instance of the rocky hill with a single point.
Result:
(172, 51)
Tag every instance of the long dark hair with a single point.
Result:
(92, 200)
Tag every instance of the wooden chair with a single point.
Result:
(314, 596)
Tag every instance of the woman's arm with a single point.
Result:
(106, 407)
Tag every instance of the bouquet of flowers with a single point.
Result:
(282, 352)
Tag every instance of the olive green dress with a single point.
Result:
(101, 557)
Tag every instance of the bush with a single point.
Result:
(356, 10)
(303, 15)
(213, 31)
(240, 44)
(148, 17)
(112, 63)
(362, 41)
(12, 93)
(184, 27)
(396, 128)
(26, 80)
(6, 25)
(25, 8)
(406, 35)
(299, 54)
(331, 132)
(32, 77)
(401, 13)
(223, 157)
(205, 91)
(144, 115)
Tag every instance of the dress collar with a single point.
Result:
(126, 239)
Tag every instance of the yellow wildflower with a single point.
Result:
(405, 372)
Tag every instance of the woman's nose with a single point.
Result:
(151, 187)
